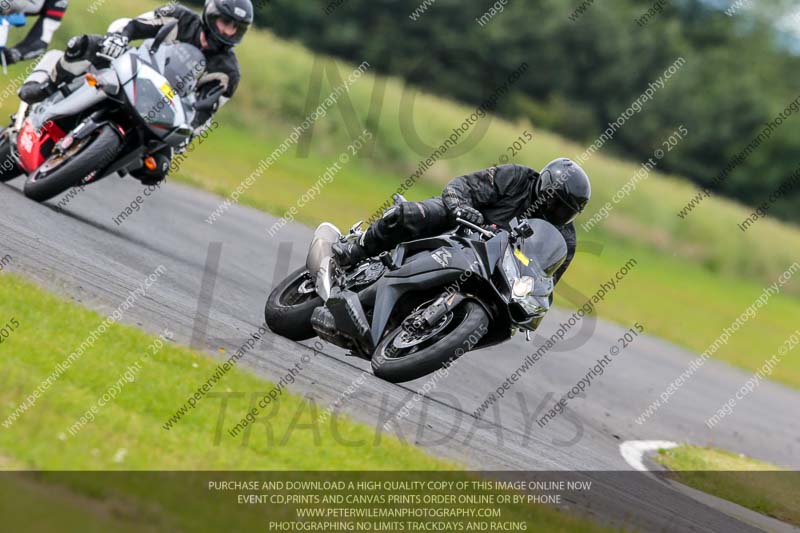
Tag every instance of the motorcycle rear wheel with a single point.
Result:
(290, 306)
(9, 169)
(55, 177)
(463, 328)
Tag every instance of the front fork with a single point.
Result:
(19, 118)
(434, 312)
(12, 132)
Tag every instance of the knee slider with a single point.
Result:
(77, 47)
(83, 47)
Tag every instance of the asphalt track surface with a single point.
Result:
(80, 252)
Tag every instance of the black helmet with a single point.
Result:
(236, 12)
(562, 192)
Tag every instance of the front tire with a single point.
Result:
(9, 169)
(56, 176)
(290, 306)
(467, 325)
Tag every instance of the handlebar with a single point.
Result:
(521, 232)
(475, 227)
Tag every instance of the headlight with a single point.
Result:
(522, 287)
(531, 306)
(509, 267)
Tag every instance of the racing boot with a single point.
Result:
(33, 92)
(39, 84)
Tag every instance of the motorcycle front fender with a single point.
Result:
(391, 290)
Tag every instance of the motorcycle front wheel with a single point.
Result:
(404, 355)
(290, 306)
(68, 169)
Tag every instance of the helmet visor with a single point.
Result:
(559, 212)
(227, 29)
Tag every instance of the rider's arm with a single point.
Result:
(222, 78)
(202, 118)
(145, 26)
(568, 232)
(35, 43)
(484, 187)
(471, 190)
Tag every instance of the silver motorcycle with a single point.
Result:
(112, 120)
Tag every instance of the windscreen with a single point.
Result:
(545, 249)
(183, 66)
(152, 102)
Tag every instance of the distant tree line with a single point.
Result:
(589, 61)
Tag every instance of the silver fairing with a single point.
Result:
(168, 115)
(57, 106)
(159, 103)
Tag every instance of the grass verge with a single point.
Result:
(127, 430)
(751, 483)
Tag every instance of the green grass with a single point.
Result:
(748, 482)
(694, 276)
(689, 306)
(50, 328)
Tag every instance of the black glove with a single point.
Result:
(12, 55)
(113, 46)
(470, 214)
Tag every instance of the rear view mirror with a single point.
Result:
(524, 230)
(208, 102)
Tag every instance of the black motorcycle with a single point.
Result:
(415, 310)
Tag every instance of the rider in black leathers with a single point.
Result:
(492, 196)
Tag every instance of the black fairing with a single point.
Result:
(420, 271)
(426, 268)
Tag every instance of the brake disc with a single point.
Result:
(409, 339)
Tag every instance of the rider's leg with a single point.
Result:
(38, 39)
(404, 222)
(74, 62)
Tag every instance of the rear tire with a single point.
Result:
(288, 311)
(468, 325)
(45, 184)
(9, 169)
